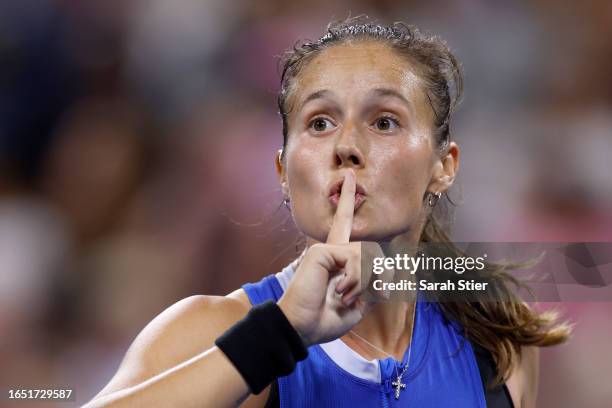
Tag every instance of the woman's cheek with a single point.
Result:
(304, 172)
(306, 184)
(403, 181)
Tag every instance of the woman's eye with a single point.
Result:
(386, 123)
(320, 124)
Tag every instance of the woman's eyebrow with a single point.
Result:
(377, 92)
(323, 93)
(383, 92)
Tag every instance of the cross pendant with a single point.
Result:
(398, 386)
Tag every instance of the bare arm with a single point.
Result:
(189, 384)
(531, 368)
(173, 361)
(523, 382)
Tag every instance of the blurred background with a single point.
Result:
(136, 162)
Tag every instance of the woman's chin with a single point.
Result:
(368, 236)
(362, 230)
(367, 232)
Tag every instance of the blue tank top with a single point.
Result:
(443, 371)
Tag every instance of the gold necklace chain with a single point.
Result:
(398, 382)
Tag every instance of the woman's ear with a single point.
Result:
(280, 170)
(278, 161)
(445, 169)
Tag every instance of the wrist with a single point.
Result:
(294, 321)
(263, 345)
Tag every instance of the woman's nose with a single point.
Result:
(347, 151)
(348, 156)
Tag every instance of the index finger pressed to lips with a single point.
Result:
(340, 231)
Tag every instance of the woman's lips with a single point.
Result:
(359, 199)
(336, 188)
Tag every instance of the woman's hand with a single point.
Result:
(322, 301)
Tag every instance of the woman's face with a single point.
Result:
(361, 106)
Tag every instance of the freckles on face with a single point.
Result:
(359, 106)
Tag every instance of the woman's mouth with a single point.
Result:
(336, 188)
(359, 199)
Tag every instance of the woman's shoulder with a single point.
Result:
(190, 326)
(241, 296)
(181, 331)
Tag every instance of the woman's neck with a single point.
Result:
(388, 326)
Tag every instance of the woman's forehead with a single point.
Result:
(357, 70)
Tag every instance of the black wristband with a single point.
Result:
(263, 346)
